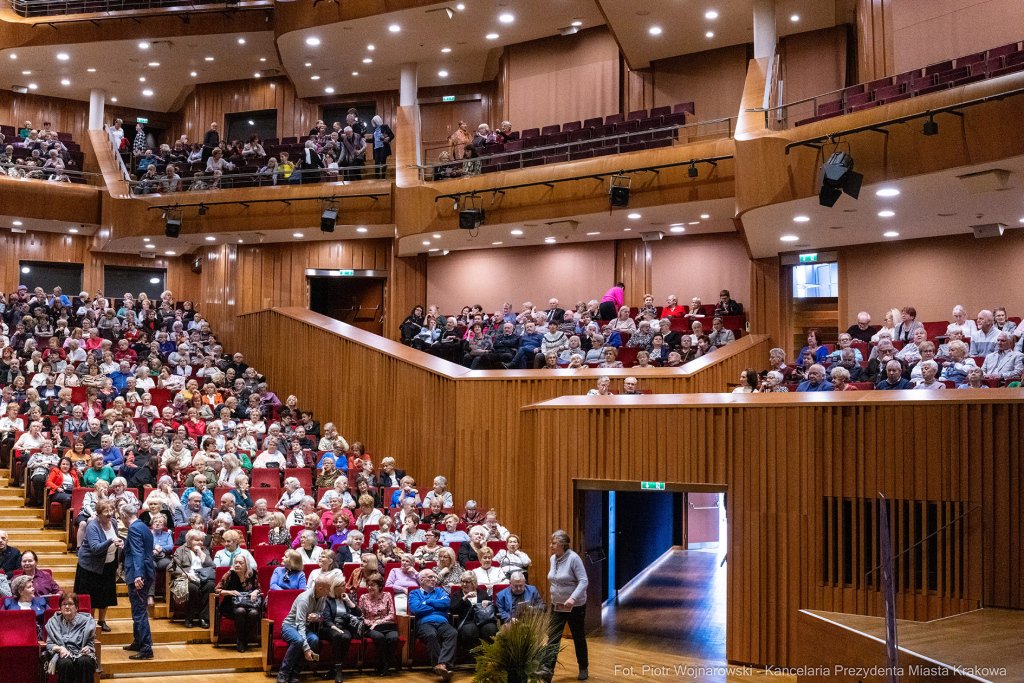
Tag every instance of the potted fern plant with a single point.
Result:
(518, 652)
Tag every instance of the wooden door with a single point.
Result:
(438, 122)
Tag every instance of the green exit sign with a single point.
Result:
(346, 272)
(141, 120)
(652, 486)
(448, 98)
(808, 258)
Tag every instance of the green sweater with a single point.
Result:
(91, 475)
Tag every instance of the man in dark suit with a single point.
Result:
(139, 575)
(554, 312)
(210, 140)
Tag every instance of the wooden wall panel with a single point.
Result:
(780, 456)
(713, 80)
(875, 33)
(765, 312)
(633, 269)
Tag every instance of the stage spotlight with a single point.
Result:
(471, 219)
(838, 177)
(202, 210)
(930, 127)
(173, 227)
(692, 171)
(327, 219)
(618, 191)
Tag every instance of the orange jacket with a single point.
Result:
(55, 481)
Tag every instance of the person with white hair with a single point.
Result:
(773, 380)
(815, 380)
(430, 605)
(382, 136)
(441, 491)
(292, 496)
(984, 340)
(929, 371)
(961, 322)
(1004, 363)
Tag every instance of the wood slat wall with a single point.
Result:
(779, 456)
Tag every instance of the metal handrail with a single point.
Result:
(344, 175)
(44, 8)
(30, 171)
(117, 152)
(428, 172)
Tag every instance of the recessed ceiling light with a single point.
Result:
(296, 234)
(626, 229)
(654, 30)
(577, 23)
(520, 232)
(210, 238)
(426, 243)
(73, 231)
(593, 233)
(886, 214)
(314, 78)
(434, 249)
(694, 222)
(329, 90)
(65, 81)
(91, 70)
(496, 243)
(355, 73)
(442, 73)
(147, 93)
(436, 237)
(711, 14)
(150, 246)
(677, 229)
(257, 74)
(891, 233)
(801, 219)
(360, 229)
(367, 60)
(239, 241)
(209, 59)
(312, 41)
(14, 56)
(795, 17)
(1022, 220)
(113, 99)
(26, 269)
(32, 86)
(241, 41)
(506, 18)
(143, 45)
(887, 192)
(634, 216)
(371, 47)
(491, 36)
(142, 79)
(446, 50)
(154, 63)
(394, 28)
(709, 34)
(193, 74)
(145, 239)
(15, 223)
(309, 63)
(63, 56)
(549, 240)
(26, 73)
(263, 59)
(251, 123)
(460, 7)
(789, 238)
(704, 215)
(169, 253)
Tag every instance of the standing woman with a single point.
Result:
(96, 575)
(382, 137)
(70, 641)
(567, 580)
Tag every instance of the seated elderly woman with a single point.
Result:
(975, 380)
(403, 579)
(289, 576)
(42, 579)
(297, 517)
(927, 350)
(193, 566)
(23, 596)
(292, 495)
(71, 642)
(473, 612)
(451, 532)
(958, 365)
(308, 549)
(953, 333)
(841, 379)
(642, 337)
(610, 358)
(911, 353)
(449, 571)
(929, 372)
(488, 574)
(845, 342)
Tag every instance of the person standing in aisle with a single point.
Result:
(139, 575)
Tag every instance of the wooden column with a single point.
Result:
(765, 310)
(875, 31)
(633, 269)
(406, 288)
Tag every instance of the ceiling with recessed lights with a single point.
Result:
(927, 205)
(672, 220)
(117, 67)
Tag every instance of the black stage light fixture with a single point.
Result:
(618, 191)
(838, 177)
(930, 127)
(471, 219)
(327, 219)
(173, 227)
(692, 171)
(202, 210)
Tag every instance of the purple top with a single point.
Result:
(399, 579)
(615, 296)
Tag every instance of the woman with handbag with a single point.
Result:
(194, 574)
(240, 588)
(475, 615)
(340, 622)
(378, 609)
(96, 574)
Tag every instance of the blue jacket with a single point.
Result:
(120, 380)
(825, 385)
(112, 457)
(138, 553)
(506, 604)
(340, 463)
(397, 496)
(613, 339)
(92, 550)
(885, 386)
(432, 607)
(531, 342)
(38, 605)
(283, 580)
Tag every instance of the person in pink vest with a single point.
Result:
(611, 302)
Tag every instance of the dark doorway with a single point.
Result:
(118, 280)
(47, 274)
(365, 111)
(241, 125)
(358, 301)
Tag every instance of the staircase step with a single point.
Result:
(7, 512)
(184, 659)
(27, 543)
(55, 560)
(124, 610)
(22, 523)
(164, 632)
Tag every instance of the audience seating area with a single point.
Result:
(72, 154)
(993, 63)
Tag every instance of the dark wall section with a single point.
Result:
(645, 523)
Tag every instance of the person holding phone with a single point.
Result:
(568, 588)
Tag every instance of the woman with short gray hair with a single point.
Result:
(568, 582)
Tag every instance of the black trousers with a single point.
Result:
(441, 639)
(245, 618)
(380, 159)
(470, 634)
(575, 620)
(340, 643)
(71, 670)
(607, 310)
(385, 642)
(198, 606)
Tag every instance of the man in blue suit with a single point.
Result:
(815, 380)
(139, 575)
(518, 593)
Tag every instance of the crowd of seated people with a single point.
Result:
(132, 405)
(903, 353)
(499, 148)
(326, 155)
(599, 334)
(38, 154)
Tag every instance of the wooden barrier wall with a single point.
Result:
(784, 459)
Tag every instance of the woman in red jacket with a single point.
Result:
(63, 478)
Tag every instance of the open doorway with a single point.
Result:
(655, 558)
(355, 297)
